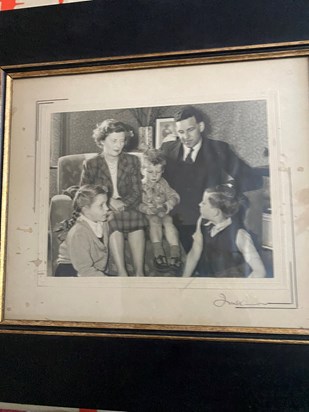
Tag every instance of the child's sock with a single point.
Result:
(158, 249)
(175, 251)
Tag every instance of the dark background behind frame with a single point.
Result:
(102, 28)
(137, 374)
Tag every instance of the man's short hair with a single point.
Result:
(188, 111)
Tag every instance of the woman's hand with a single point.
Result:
(117, 205)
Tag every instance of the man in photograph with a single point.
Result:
(194, 163)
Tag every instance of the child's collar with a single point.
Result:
(217, 228)
(96, 227)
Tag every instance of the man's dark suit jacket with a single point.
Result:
(215, 160)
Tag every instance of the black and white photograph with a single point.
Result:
(194, 206)
(158, 196)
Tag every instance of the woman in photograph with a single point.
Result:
(120, 173)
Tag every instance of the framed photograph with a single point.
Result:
(208, 241)
(165, 131)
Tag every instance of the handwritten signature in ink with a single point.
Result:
(223, 301)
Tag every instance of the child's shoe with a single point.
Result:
(160, 263)
(175, 264)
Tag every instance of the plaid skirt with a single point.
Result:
(127, 221)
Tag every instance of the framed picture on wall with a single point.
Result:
(165, 131)
(208, 238)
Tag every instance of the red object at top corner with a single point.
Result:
(9, 4)
(85, 410)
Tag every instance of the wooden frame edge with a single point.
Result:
(230, 339)
(148, 63)
(7, 87)
(259, 46)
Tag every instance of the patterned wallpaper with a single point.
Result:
(241, 124)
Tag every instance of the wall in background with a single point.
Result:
(241, 124)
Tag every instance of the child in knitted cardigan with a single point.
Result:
(84, 247)
(158, 199)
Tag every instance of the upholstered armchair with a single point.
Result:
(69, 172)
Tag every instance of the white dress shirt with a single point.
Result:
(194, 153)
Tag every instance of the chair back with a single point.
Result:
(70, 169)
(69, 173)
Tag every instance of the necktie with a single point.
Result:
(189, 159)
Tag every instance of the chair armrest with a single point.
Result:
(60, 209)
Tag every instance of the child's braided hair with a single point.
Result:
(84, 196)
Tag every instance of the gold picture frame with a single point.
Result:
(33, 97)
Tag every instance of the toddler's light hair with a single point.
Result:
(154, 157)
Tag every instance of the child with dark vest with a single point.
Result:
(221, 245)
(158, 199)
